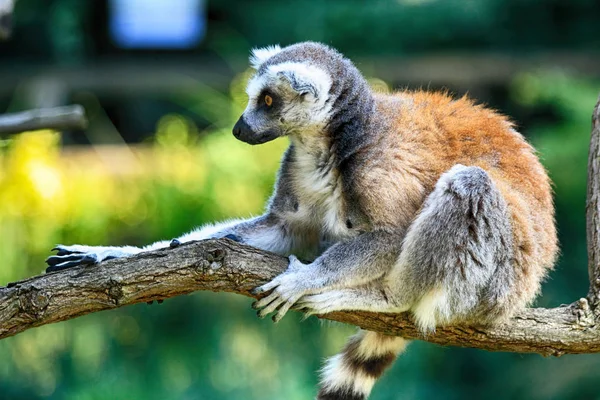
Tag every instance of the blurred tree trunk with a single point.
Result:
(6, 18)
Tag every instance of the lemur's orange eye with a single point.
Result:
(268, 100)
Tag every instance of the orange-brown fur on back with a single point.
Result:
(431, 132)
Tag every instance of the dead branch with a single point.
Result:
(59, 118)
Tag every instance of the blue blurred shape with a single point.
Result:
(157, 24)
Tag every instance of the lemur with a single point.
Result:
(406, 202)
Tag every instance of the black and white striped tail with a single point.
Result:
(351, 374)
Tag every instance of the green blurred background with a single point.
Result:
(162, 88)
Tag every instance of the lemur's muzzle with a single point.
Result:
(243, 132)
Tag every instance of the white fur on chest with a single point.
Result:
(320, 196)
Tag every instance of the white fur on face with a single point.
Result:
(256, 85)
(312, 111)
(259, 56)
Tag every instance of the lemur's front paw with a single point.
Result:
(72, 256)
(287, 288)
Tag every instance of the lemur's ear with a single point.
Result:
(259, 56)
(304, 79)
(299, 84)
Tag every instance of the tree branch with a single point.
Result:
(60, 118)
(223, 265)
(226, 266)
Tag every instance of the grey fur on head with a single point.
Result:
(341, 102)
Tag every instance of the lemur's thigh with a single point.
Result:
(456, 260)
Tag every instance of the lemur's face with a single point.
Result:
(283, 98)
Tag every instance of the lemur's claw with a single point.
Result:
(62, 251)
(257, 291)
(174, 243)
(89, 259)
(233, 237)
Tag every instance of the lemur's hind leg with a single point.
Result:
(456, 259)
(455, 264)
(458, 255)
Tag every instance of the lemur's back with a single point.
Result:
(431, 132)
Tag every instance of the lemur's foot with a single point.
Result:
(287, 289)
(72, 256)
(323, 303)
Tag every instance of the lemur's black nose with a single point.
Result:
(241, 129)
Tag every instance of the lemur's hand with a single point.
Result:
(287, 288)
(72, 256)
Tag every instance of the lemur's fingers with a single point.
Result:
(58, 259)
(264, 301)
(268, 304)
(266, 287)
(86, 260)
(60, 267)
(321, 303)
(64, 250)
(285, 307)
(270, 308)
(58, 263)
(308, 306)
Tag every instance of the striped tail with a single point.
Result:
(351, 374)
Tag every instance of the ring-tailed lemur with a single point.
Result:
(413, 201)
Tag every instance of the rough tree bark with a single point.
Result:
(226, 266)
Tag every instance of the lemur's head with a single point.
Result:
(292, 92)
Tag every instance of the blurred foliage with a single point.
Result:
(211, 346)
(413, 26)
(359, 27)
